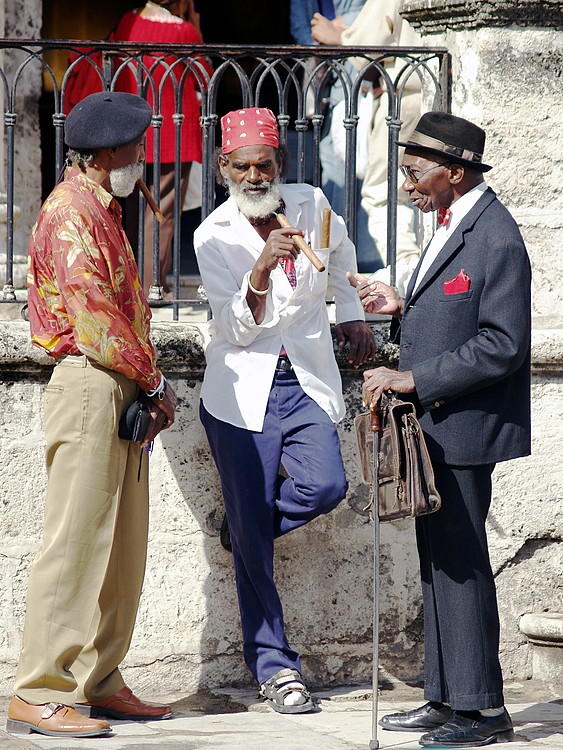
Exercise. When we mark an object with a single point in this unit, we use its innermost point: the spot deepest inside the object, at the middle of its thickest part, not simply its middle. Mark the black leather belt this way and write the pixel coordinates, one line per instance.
(284, 364)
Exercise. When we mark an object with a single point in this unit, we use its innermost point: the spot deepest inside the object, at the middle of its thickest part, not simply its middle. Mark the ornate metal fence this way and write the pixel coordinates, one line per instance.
(291, 80)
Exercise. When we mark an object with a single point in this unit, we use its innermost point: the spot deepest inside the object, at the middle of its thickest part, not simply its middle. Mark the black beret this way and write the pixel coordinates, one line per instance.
(442, 134)
(106, 120)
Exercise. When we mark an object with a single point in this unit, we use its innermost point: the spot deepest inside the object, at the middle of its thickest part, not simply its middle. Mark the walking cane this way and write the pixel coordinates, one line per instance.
(375, 425)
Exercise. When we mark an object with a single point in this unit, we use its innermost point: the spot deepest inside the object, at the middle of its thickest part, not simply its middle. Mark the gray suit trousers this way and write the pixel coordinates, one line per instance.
(461, 623)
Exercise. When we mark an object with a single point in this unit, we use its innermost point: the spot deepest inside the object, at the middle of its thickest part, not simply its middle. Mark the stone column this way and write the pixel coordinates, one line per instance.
(2, 162)
(27, 156)
(506, 76)
(544, 631)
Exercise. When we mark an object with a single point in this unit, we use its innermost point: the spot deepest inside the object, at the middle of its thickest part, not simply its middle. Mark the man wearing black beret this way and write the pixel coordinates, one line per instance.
(464, 331)
(88, 311)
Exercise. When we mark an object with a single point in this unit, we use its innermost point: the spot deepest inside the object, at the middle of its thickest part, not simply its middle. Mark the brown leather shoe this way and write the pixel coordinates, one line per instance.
(125, 705)
(52, 719)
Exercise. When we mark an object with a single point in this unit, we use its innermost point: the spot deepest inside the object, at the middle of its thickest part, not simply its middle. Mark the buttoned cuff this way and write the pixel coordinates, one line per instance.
(429, 396)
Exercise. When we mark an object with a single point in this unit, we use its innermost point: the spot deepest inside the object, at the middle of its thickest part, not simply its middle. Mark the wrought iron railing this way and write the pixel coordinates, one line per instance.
(291, 80)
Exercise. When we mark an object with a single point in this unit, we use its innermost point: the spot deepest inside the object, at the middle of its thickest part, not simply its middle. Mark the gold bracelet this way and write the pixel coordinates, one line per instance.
(259, 292)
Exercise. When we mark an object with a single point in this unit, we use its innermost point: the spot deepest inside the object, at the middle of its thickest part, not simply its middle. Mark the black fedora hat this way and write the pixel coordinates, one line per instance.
(442, 134)
(106, 120)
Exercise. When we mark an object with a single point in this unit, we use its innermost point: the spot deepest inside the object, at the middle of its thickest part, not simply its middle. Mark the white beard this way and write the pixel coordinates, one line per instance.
(256, 206)
(122, 180)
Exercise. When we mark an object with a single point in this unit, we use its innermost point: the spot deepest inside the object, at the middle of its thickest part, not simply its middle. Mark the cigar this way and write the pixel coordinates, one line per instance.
(301, 244)
(151, 201)
(325, 232)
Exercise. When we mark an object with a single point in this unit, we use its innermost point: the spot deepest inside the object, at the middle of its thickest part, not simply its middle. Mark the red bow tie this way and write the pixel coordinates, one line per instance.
(444, 216)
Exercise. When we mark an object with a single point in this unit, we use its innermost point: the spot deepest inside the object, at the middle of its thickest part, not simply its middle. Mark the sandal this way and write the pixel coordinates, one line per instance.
(280, 685)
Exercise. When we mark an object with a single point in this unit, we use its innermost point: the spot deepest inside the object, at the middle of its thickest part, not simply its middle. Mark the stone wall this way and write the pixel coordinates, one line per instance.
(188, 631)
(506, 76)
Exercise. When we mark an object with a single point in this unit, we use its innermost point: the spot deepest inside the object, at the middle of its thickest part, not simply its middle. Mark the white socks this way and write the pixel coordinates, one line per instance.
(296, 697)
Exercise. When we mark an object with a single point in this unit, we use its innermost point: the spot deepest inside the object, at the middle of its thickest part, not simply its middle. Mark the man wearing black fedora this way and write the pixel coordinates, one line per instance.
(88, 311)
(464, 334)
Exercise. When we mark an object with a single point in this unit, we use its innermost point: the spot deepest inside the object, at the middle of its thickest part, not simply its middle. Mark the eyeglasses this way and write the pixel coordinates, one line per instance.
(410, 175)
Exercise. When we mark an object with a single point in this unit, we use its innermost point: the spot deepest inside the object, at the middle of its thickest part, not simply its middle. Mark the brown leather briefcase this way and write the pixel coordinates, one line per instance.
(406, 478)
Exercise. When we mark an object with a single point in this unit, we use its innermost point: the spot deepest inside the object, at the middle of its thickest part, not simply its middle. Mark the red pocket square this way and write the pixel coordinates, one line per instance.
(461, 283)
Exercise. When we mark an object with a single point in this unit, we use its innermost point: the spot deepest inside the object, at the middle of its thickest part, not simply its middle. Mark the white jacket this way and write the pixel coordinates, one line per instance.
(242, 355)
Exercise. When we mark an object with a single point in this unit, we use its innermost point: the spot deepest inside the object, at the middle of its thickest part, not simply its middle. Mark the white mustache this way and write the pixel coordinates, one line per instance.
(256, 206)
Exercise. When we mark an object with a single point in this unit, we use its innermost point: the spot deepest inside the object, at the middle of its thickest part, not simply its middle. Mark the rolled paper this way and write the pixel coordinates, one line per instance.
(151, 201)
(301, 244)
(325, 232)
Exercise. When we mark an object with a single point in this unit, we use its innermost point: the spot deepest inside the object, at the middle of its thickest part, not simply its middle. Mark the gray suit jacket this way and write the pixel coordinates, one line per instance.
(470, 351)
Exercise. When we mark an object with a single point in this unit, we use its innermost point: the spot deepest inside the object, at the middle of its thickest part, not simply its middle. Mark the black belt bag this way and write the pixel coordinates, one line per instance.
(135, 420)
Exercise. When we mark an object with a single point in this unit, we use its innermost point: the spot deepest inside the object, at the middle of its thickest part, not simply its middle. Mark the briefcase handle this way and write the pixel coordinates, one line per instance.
(376, 411)
(375, 417)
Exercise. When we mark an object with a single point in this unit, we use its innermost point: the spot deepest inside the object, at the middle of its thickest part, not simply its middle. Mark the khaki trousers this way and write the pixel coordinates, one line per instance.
(85, 583)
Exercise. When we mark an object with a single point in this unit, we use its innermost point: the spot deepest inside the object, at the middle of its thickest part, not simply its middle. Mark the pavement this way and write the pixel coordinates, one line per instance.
(232, 719)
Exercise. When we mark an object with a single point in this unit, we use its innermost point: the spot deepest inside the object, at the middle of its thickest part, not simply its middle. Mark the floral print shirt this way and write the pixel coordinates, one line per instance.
(84, 292)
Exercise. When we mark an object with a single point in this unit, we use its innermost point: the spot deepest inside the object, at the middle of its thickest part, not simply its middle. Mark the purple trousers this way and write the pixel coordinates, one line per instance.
(261, 505)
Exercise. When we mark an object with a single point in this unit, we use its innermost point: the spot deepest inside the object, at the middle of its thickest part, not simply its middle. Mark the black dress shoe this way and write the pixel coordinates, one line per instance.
(225, 536)
(429, 716)
(470, 729)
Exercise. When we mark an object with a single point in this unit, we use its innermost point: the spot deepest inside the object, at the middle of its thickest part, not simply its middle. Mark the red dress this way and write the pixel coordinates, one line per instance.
(133, 27)
(136, 28)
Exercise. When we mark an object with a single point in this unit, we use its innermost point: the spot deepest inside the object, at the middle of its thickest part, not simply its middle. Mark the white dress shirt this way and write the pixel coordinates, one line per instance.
(459, 209)
(242, 354)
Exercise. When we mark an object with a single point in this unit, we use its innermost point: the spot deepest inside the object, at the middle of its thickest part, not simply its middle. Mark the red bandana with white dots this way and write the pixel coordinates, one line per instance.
(253, 126)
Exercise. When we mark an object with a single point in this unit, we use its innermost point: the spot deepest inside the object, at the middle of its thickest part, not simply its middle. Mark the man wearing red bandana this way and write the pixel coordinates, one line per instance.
(272, 393)
(464, 330)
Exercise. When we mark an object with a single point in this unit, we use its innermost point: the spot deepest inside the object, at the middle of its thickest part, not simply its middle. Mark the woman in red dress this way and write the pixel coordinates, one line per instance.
(162, 21)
